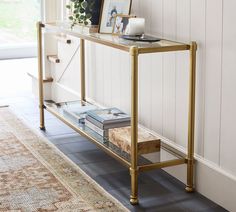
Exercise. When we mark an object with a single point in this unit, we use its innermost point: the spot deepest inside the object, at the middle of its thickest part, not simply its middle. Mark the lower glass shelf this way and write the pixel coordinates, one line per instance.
(166, 156)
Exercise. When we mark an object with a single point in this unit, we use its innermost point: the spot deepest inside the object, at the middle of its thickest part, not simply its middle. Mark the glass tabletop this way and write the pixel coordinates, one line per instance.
(115, 41)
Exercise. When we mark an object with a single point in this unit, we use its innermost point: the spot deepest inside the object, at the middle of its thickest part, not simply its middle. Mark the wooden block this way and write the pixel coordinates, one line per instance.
(53, 58)
(35, 76)
(63, 38)
(147, 143)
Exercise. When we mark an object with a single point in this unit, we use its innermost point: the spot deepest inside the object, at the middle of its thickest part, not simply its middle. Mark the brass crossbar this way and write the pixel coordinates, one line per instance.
(160, 165)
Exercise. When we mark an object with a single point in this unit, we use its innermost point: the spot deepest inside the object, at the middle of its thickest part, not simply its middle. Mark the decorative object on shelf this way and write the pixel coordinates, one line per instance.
(108, 118)
(107, 126)
(136, 26)
(78, 113)
(84, 12)
(101, 132)
(109, 11)
(147, 143)
(141, 38)
(121, 23)
(135, 31)
(109, 115)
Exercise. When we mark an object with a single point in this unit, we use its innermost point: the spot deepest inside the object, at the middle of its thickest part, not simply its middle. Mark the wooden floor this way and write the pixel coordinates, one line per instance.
(158, 190)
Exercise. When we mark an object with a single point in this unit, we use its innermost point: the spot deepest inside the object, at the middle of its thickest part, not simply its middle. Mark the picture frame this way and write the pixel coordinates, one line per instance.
(111, 8)
(121, 22)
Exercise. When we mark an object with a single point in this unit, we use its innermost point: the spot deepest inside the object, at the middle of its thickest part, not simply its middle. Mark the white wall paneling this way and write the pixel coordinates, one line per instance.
(164, 84)
(52, 10)
(145, 90)
(125, 81)
(157, 69)
(213, 80)
(107, 77)
(182, 73)
(99, 73)
(198, 34)
(115, 77)
(90, 57)
(169, 71)
(228, 101)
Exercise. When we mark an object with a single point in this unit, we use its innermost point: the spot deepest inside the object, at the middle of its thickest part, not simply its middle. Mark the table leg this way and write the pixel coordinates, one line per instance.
(40, 76)
(134, 126)
(191, 119)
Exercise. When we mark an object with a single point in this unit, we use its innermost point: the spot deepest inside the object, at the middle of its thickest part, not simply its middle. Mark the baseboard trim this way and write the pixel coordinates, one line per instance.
(211, 180)
(216, 184)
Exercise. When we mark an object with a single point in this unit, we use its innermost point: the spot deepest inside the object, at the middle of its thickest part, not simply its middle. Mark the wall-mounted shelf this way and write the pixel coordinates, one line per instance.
(133, 159)
(63, 38)
(53, 58)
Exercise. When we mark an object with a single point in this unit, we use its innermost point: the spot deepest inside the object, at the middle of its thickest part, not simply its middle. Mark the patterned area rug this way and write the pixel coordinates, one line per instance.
(35, 176)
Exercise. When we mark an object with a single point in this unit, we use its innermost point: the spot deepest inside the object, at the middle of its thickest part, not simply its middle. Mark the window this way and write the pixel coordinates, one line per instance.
(18, 27)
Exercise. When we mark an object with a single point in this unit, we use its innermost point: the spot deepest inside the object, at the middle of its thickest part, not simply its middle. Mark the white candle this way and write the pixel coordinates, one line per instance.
(136, 26)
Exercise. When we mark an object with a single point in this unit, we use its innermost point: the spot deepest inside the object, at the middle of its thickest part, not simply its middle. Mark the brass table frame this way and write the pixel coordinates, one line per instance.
(134, 53)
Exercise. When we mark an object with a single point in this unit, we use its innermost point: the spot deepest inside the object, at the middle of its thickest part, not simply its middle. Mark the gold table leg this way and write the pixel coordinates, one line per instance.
(191, 119)
(82, 70)
(134, 126)
(40, 75)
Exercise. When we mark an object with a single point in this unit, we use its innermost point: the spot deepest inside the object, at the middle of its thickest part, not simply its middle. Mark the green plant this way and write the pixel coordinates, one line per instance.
(80, 11)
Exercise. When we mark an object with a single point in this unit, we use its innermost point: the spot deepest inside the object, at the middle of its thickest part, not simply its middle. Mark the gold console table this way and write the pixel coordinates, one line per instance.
(134, 49)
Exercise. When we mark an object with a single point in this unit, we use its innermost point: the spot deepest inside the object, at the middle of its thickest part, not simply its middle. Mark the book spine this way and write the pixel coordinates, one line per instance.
(95, 122)
(103, 133)
(116, 121)
(108, 126)
(117, 125)
(106, 122)
(95, 117)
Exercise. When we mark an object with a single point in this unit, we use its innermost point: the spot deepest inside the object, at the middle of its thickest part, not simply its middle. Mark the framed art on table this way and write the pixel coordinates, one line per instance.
(110, 9)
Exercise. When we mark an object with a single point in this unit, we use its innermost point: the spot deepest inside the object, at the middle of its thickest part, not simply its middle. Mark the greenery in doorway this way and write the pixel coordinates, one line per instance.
(80, 11)
(18, 18)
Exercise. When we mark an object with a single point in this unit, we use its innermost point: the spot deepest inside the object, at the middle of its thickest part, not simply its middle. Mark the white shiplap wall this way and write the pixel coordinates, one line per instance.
(163, 78)
(211, 24)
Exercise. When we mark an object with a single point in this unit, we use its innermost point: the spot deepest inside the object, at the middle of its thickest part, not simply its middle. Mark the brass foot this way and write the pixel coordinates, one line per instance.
(189, 189)
(133, 201)
(42, 128)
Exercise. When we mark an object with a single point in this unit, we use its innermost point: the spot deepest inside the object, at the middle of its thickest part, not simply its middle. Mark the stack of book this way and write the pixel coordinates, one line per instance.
(77, 113)
(101, 120)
